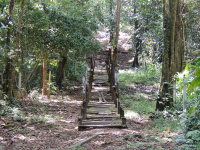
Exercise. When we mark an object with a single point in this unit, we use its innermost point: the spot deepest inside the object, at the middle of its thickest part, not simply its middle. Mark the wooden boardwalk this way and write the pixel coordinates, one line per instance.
(101, 106)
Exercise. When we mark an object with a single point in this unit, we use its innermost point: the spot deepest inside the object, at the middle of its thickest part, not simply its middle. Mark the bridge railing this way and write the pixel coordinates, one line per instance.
(113, 79)
(87, 87)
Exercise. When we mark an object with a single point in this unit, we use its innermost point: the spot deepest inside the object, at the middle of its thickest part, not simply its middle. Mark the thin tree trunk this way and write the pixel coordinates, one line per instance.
(44, 91)
(17, 46)
(137, 41)
(31, 74)
(60, 72)
(111, 22)
(116, 33)
(7, 86)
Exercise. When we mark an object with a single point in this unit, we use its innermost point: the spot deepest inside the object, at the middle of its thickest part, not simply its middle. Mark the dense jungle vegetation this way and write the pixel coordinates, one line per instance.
(44, 46)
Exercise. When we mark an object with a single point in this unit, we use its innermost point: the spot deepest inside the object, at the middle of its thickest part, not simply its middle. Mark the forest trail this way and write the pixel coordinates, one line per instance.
(100, 109)
(51, 124)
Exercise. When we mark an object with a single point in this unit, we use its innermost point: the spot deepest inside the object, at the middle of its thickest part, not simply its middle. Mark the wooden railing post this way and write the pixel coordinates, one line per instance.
(123, 121)
(83, 110)
(87, 95)
(121, 113)
(80, 120)
(118, 106)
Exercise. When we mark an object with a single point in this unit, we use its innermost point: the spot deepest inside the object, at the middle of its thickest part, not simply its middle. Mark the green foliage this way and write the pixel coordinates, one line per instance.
(138, 106)
(80, 70)
(4, 108)
(196, 81)
(147, 76)
(195, 135)
(190, 118)
(162, 124)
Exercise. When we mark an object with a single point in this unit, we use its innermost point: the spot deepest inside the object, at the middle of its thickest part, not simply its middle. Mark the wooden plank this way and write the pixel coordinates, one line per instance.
(114, 125)
(99, 110)
(92, 112)
(109, 122)
(103, 103)
(102, 106)
(86, 140)
(106, 116)
(101, 116)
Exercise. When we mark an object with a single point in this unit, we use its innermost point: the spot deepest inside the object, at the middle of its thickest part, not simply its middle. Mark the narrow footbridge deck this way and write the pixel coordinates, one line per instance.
(101, 104)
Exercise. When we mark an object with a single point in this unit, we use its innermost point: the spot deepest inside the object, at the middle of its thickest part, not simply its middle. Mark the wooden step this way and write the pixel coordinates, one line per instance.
(90, 116)
(101, 122)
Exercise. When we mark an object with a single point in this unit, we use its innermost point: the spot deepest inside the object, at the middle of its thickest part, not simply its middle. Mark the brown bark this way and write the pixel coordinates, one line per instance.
(44, 91)
(173, 54)
(111, 22)
(7, 86)
(137, 43)
(60, 72)
(116, 33)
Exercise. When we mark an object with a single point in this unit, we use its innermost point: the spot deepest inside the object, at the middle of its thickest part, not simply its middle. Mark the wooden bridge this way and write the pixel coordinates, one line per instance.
(101, 105)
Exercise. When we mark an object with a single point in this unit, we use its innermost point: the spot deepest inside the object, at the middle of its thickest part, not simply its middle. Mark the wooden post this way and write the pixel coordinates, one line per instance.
(87, 96)
(80, 120)
(118, 106)
(109, 65)
(83, 110)
(112, 78)
(49, 84)
(121, 113)
(123, 121)
(184, 94)
(90, 84)
(44, 91)
(114, 99)
(84, 84)
(84, 104)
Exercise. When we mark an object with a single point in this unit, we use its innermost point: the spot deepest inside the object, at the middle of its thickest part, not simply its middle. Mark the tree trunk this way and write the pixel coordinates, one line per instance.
(173, 55)
(60, 72)
(7, 86)
(31, 74)
(44, 76)
(116, 33)
(137, 42)
(111, 22)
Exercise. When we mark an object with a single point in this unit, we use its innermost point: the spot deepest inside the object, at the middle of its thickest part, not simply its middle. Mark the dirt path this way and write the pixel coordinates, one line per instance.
(44, 124)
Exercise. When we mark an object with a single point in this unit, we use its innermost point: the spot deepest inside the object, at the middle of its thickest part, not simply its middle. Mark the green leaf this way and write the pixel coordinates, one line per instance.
(191, 110)
(188, 70)
(194, 84)
(197, 138)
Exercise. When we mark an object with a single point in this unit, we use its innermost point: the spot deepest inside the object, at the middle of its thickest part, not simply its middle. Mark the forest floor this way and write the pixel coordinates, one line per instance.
(51, 124)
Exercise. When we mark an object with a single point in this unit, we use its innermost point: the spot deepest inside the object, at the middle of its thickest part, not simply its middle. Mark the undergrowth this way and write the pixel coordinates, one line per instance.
(185, 124)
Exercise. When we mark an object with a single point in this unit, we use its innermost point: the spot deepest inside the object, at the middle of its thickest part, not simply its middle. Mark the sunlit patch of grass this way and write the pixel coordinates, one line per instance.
(163, 124)
(136, 76)
(143, 108)
(43, 118)
(137, 96)
(131, 114)
(139, 104)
